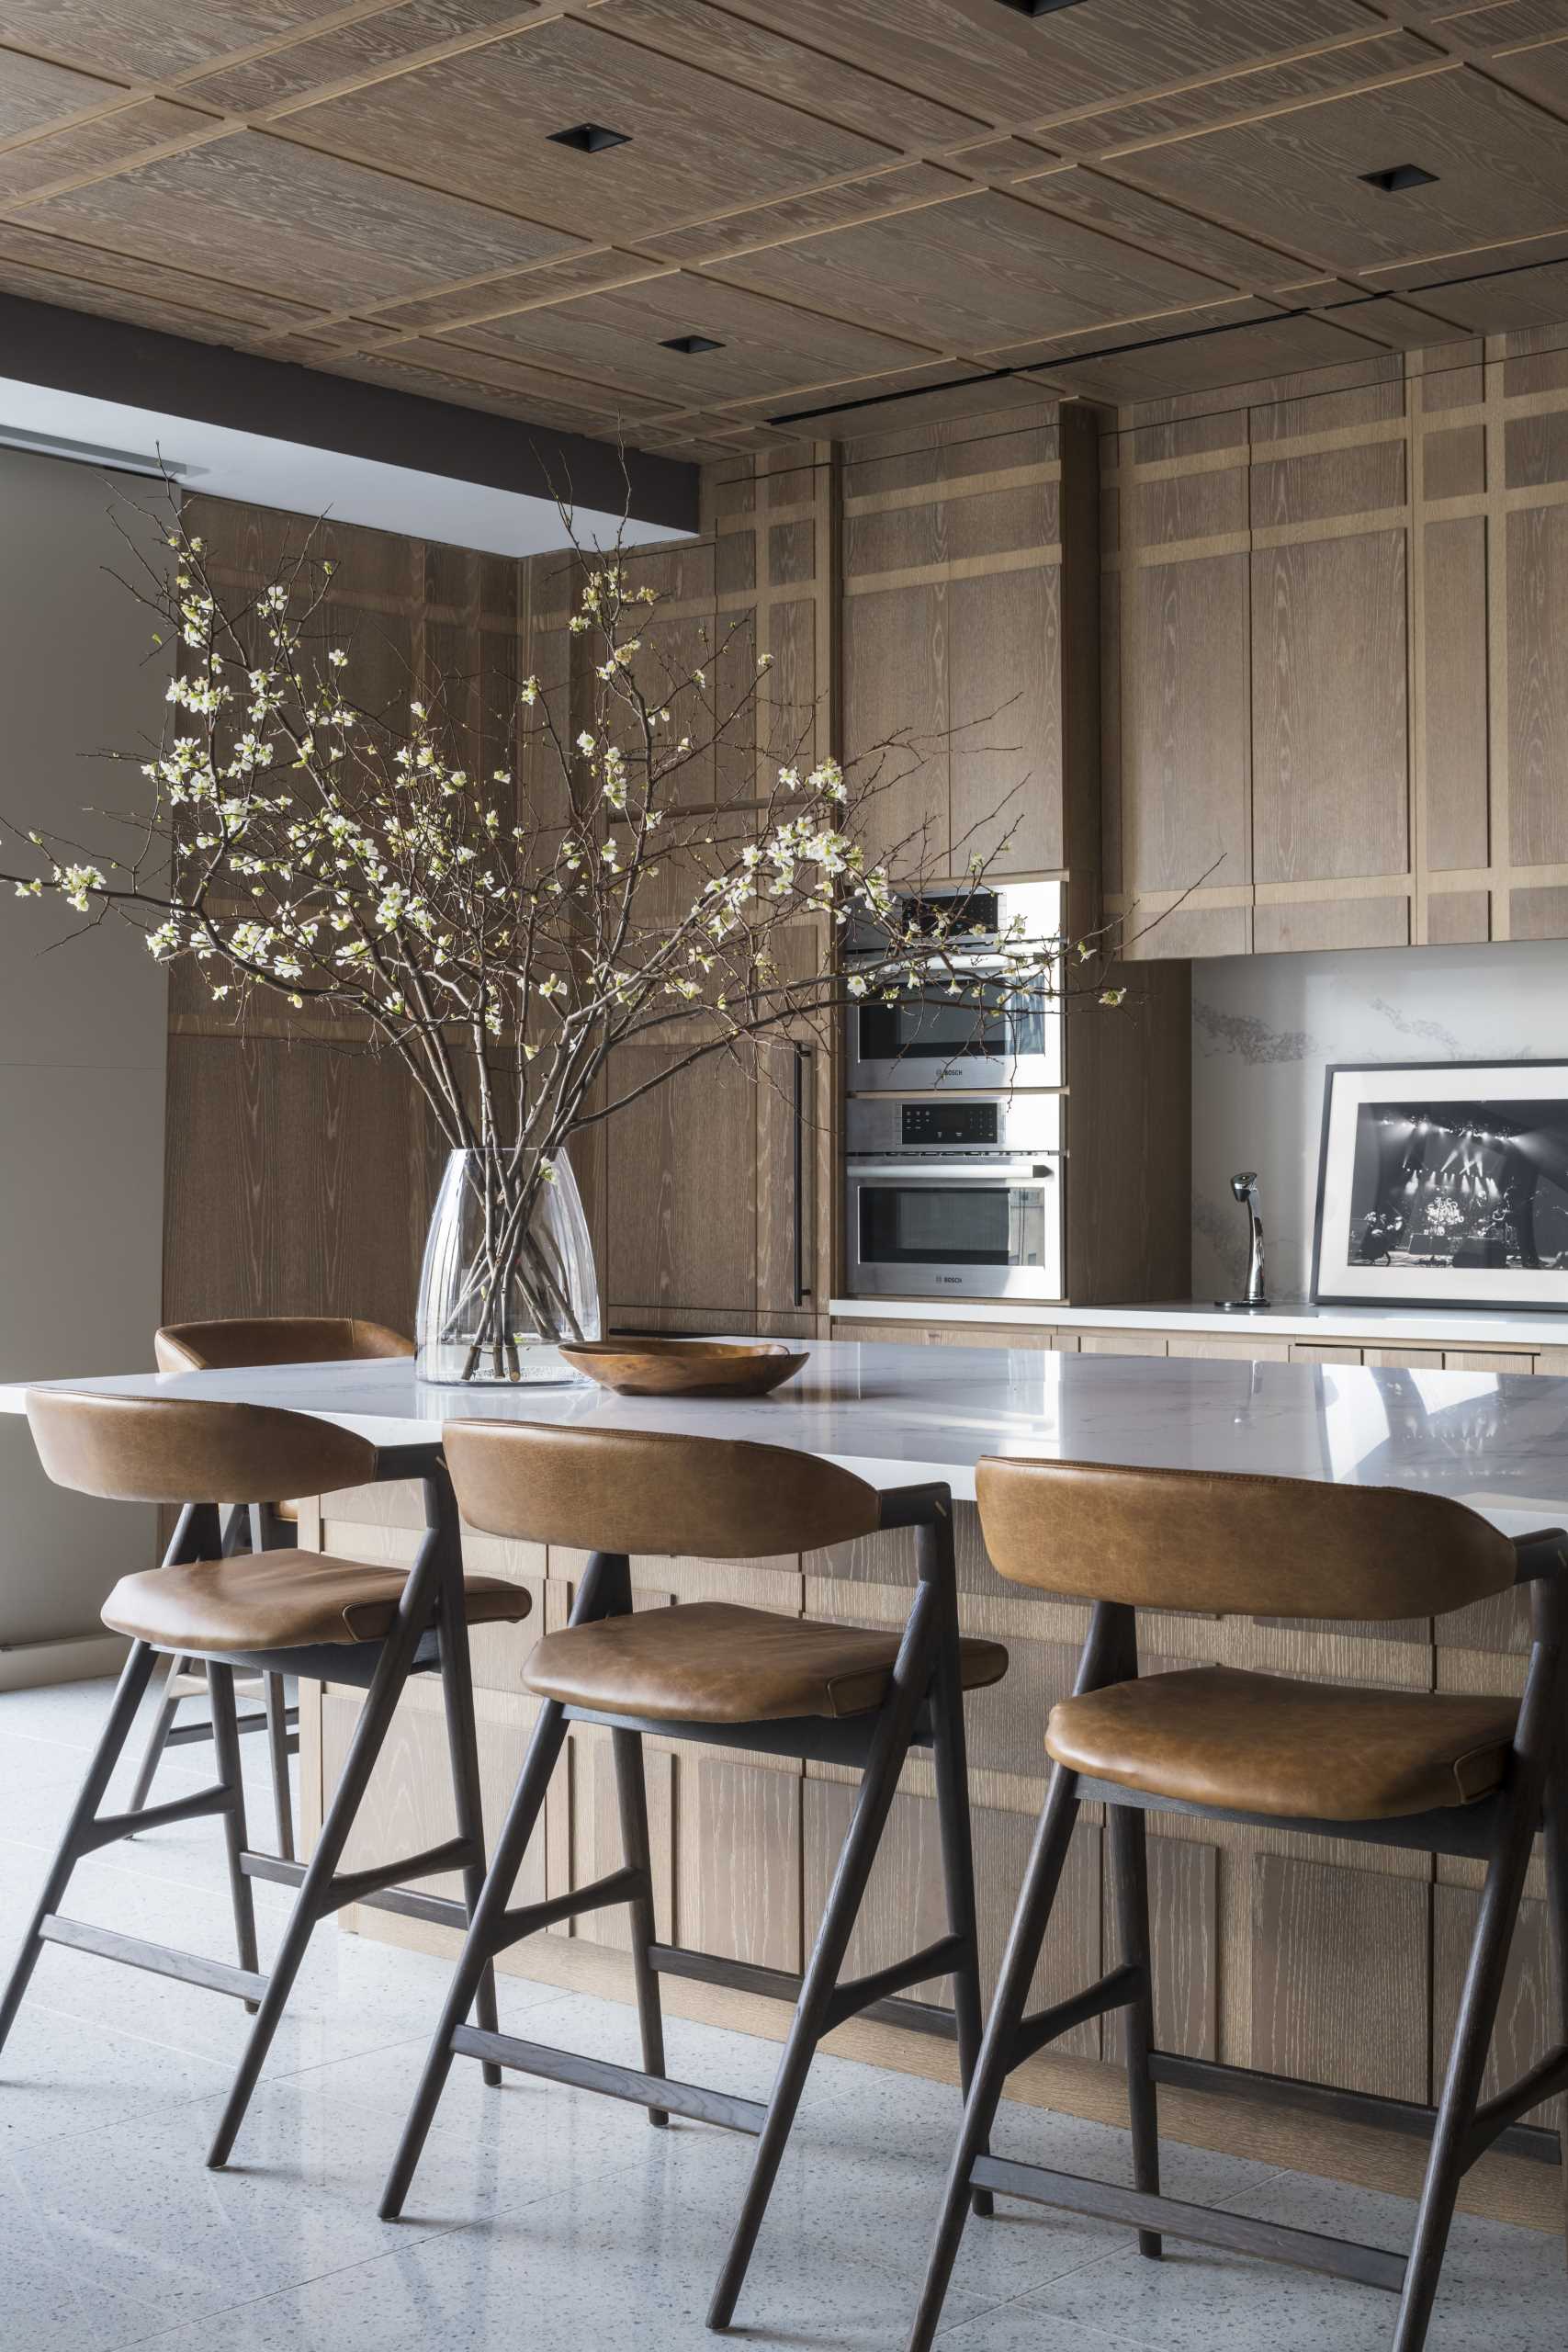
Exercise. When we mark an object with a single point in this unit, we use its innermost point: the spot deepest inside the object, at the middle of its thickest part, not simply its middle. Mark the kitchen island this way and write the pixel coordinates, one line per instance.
(1311, 1960)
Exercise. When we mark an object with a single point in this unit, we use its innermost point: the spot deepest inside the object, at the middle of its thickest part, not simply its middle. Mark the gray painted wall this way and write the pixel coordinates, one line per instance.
(1265, 1027)
(82, 1032)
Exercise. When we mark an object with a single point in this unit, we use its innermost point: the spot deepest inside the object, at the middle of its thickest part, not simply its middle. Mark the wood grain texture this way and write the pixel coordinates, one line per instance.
(1318, 2010)
(1328, 694)
(1128, 197)
(1186, 744)
(1538, 683)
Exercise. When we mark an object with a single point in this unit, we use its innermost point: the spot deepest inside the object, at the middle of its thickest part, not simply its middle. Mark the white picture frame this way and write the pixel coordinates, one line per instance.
(1440, 1183)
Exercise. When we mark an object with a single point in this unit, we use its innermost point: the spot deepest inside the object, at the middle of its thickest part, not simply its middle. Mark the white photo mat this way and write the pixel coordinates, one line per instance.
(1465, 1164)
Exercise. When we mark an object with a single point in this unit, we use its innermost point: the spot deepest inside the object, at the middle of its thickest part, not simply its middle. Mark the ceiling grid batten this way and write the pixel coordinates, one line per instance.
(1158, 194)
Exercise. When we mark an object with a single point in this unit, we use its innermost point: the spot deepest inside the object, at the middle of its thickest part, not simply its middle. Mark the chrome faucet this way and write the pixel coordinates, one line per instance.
(1245, 1187)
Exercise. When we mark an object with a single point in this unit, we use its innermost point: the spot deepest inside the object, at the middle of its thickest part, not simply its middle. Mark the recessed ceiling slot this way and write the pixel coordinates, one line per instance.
(691, 344)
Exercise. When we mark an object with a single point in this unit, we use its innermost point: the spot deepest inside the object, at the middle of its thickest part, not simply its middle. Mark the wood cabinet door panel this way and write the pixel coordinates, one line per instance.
(1329, 708)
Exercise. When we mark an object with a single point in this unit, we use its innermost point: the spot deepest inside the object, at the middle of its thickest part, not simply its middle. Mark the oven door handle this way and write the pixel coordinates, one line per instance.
(1017, 1175)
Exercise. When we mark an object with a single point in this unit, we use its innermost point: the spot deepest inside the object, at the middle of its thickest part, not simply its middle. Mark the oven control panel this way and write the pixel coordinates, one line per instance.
(948, 1123)
(952, 1128)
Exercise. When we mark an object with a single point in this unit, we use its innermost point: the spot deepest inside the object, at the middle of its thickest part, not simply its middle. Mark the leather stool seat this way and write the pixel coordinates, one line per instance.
(280, 1600)
(712, 1662)
(1263, 1743)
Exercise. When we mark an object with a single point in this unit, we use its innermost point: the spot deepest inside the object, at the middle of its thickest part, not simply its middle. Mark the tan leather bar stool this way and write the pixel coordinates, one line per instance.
(1439, 1774)
(742, 1678)
(226, 1345)
(273, 1612)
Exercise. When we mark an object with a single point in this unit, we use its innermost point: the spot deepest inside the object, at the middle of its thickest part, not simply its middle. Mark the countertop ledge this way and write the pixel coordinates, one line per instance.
(1358, 1325)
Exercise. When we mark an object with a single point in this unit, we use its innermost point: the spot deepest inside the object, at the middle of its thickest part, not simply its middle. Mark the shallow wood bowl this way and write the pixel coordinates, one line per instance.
(686, 1367)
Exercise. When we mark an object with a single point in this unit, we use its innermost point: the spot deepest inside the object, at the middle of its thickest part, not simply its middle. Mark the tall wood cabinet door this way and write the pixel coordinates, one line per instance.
(681, 1188)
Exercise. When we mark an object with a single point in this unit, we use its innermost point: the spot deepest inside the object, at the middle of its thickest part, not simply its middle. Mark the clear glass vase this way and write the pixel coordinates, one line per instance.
(508, 1272)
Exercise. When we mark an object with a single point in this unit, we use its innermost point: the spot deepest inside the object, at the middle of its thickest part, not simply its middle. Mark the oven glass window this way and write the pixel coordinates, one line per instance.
(950, 1224)
(978, 1023)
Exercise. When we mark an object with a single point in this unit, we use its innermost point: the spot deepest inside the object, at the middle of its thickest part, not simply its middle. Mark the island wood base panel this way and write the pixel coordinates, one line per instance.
(1309, 1959)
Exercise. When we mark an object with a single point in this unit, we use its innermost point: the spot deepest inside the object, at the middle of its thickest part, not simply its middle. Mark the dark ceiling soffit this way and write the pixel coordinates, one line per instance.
(106, 358)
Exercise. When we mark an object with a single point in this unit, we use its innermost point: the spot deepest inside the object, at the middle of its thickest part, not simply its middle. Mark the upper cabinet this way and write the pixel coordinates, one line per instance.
(969, 587)
(1335, 658)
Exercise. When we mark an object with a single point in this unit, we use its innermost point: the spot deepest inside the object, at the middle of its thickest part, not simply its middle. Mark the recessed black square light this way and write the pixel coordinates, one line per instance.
(691, 344)
(1398, 177)
(1039, 7)
(590, 138)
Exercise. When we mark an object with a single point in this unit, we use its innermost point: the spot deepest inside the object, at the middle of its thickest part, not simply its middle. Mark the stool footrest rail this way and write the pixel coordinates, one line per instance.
(1369, 2266)
(616, 2081)
(191, 1968)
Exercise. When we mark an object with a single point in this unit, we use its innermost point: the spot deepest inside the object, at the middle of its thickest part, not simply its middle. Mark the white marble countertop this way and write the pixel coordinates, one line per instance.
(902, 1414)
(1370, 1327)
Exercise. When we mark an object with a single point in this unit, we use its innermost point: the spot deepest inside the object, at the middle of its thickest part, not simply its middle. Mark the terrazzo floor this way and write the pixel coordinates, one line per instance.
(543, 2217)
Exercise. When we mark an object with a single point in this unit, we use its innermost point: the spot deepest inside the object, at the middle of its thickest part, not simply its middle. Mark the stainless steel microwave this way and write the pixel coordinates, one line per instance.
(954, 1200)
(967, 1026)
(980, 1033)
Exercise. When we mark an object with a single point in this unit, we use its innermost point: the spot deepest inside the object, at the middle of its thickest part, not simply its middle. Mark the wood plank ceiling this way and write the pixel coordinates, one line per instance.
(842, 200)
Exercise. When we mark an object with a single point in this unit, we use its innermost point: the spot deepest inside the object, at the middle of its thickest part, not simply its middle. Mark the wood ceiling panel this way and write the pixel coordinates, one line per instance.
(34, 92)
(348, 53)
(155, 40)
(867, 203)
(1509, 21)
(102, 273)
(1270, 347)
(494, 296)
(1100, 202)
(1501, 166)
(984, 272)
(566, 413)
(481, 123)
(1541, 73)
(1515, 299)
(280, 217)
(93, 147)
(872, 199)
(767, 348)
(509, 373)
(1179, 113)
(766, 61)
(1008, 67)
(205, 323)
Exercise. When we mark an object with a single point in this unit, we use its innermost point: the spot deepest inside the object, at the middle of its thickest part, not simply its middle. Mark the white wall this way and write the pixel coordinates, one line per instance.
(82, 1033)
(1264, 1030)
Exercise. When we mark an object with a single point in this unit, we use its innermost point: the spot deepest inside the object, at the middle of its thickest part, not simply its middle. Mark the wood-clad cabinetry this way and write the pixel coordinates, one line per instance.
(299, 1177)
(1337, 710)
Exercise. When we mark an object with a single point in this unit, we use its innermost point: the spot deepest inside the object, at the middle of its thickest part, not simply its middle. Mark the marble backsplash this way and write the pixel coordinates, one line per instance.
(1264, 1030)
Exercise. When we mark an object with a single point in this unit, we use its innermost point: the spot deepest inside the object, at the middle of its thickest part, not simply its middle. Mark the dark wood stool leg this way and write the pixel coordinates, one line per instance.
(277, 1702)
(1461, 2090)
(313, 1899)
(158, 1738)
(226, 1746)
(1041, 1879)
(951, 1768)
(890, 1744)
(134, 1677)
(631, 1794)
(462, 1733)
(485, 1937)
(1130, 1880)
(1556, 1843)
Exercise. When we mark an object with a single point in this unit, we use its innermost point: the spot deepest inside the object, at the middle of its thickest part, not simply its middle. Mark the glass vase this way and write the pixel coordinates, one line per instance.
(508, 1272)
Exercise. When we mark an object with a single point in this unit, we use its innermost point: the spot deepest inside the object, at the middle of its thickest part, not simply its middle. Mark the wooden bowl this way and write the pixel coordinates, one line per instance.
(686, 1367)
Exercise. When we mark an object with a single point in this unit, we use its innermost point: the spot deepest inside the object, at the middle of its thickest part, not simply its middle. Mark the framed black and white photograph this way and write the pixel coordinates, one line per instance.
(1443, 1184)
